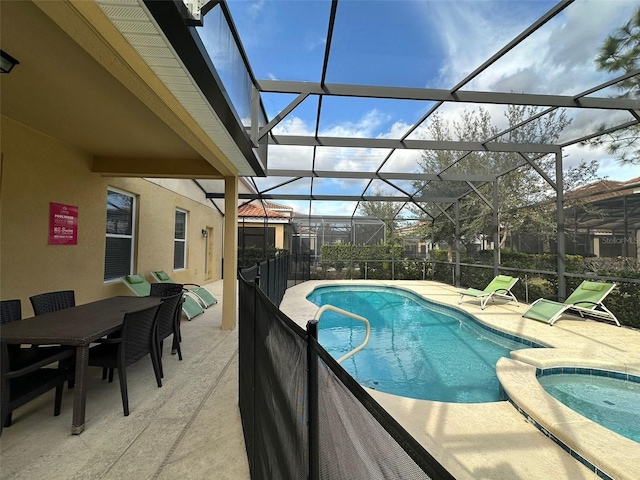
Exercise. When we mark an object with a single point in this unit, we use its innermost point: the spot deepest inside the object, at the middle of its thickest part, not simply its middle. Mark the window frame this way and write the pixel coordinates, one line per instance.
(134, 222)
(182, 240)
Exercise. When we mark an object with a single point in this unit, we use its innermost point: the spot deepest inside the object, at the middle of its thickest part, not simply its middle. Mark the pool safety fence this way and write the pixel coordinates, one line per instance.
(271, 274)
(303, 416)
(299, 268)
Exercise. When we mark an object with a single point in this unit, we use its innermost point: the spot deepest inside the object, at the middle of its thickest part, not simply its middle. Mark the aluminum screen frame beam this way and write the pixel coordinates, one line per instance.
(338, 198)
(307, 141)
(379, 176)
(439, 95)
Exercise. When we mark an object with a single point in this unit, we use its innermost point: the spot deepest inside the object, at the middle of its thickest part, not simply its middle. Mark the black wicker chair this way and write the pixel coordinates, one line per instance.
(11, 311)
(137, 340)
(52, 301)
(23, 377)
(166, 325)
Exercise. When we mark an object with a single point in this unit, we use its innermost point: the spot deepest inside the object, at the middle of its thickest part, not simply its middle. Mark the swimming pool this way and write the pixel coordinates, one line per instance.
(417, 349)
(612, 402)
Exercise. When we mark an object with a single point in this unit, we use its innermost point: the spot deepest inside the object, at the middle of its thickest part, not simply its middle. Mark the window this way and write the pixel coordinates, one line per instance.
(118, 258)
(180, 241)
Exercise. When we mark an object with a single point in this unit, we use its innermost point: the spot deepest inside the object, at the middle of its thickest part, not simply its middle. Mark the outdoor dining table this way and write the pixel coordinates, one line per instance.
(76, 327)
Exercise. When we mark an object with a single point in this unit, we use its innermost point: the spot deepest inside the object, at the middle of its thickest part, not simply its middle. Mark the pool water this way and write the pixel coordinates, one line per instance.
(611, 402)
(417, 349)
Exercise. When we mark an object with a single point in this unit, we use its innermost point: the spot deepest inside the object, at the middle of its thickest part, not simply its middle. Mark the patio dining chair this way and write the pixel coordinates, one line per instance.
(136, 340)
(500, 286)
(168, 317)
(202, 294)
(142, 288)
(11, 311)
(586, 300)
(23, 376)
(52, 301)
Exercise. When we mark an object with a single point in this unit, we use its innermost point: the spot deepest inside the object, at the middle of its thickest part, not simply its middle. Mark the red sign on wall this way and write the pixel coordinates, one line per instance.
(63, 224)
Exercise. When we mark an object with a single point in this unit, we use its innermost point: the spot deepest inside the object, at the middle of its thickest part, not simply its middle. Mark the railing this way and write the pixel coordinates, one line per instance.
(303, 416)
(624, 301)
(325, 308)
(271, 274)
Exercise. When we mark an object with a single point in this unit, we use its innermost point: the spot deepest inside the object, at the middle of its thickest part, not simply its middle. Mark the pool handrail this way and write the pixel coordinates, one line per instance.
(324, 308)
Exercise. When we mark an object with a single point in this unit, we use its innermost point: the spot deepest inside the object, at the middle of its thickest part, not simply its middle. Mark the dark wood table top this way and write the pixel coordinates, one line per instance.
(76, 326)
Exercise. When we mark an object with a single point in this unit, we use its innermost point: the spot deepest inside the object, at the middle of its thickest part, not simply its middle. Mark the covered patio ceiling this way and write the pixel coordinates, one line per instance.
(318, 163)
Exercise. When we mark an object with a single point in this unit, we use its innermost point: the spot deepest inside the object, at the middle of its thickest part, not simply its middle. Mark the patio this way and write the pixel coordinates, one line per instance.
(190, 427)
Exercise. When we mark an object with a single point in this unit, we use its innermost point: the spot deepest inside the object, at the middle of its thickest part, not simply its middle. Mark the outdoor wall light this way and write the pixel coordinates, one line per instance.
(7, 62)
(204, 233)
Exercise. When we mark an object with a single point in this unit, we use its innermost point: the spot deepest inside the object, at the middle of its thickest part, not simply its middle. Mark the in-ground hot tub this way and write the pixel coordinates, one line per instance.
(611, 399)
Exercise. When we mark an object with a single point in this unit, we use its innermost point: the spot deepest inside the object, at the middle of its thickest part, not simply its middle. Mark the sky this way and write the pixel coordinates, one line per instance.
(421, 44)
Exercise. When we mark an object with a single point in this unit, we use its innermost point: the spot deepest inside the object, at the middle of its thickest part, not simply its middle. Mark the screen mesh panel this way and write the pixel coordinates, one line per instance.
(353, 438)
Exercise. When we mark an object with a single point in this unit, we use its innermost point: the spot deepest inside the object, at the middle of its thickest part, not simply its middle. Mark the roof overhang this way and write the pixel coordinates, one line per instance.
(103, 77)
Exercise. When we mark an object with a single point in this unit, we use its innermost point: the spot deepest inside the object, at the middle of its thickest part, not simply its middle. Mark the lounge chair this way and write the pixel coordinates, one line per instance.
(585, 300)
(202, 294)
(500, 286)
(142, 288)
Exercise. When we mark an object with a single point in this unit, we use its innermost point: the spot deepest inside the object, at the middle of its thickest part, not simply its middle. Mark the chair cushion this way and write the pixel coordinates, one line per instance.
(504, 278)
(133, 279)
(593, 286)
(162, 275)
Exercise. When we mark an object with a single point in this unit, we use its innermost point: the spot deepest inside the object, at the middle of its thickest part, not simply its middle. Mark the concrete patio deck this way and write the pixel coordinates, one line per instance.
(190, 428)
(493, 440)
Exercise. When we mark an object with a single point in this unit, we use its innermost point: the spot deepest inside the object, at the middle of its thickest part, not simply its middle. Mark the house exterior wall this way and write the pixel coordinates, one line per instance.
(36, 170)
(280, 231)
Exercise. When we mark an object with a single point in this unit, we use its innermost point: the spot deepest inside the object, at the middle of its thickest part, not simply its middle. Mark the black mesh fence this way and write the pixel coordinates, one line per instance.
(299, 268)
(272, 276)
(303, 415)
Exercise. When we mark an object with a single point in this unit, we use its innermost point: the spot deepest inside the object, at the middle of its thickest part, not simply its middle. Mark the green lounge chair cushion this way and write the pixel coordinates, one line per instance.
(501, 282)
(133, 279)
(162, 276)
(594, 286)
(588, 294)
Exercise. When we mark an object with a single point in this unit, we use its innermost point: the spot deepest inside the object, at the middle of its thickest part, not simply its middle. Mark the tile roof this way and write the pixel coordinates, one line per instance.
(255, 211)
(602, 189)
(277, 206)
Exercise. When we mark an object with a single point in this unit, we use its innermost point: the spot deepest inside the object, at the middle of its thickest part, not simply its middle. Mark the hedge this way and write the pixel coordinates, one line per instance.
(624, 301)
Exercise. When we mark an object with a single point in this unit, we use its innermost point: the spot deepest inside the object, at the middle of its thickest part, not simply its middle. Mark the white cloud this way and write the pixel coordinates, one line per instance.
(557, 59)
(255, 9)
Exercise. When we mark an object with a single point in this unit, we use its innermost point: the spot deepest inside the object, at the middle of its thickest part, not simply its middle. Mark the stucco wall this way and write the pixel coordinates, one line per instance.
(279, 230)
(37, 170)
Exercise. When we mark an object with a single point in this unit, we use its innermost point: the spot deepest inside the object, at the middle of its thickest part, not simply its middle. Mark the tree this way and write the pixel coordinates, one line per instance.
(520, 186)
(620, 53)
(385, 211)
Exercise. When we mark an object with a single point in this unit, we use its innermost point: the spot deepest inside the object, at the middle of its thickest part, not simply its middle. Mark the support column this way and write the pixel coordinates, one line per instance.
(562, 281)
(625, 222)
(496, 232)
(230, 281)
(457, 245)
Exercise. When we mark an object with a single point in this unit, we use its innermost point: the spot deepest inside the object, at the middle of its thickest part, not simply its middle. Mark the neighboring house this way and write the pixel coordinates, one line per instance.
(602, 219)
(608, 222)
(264, 224)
